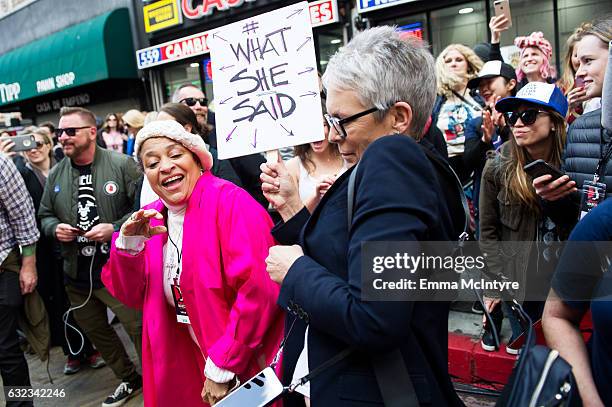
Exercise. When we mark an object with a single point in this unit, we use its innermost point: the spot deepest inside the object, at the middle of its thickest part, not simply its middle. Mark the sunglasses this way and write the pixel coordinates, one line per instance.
(528, 117)
(70, 131)
(192, 101)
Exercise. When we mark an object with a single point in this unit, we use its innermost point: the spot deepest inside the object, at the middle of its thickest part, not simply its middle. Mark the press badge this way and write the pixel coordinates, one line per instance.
(179, 304)
(593, 193)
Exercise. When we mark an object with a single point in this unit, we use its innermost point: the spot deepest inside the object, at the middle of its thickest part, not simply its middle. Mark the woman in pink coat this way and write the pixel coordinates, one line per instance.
(194, 262)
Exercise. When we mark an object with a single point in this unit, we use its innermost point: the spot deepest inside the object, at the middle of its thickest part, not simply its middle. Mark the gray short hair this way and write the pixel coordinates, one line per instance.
(175, 96)
(384, 68)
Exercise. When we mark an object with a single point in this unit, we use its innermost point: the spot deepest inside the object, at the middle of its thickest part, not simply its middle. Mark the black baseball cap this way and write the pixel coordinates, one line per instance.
(493, 69)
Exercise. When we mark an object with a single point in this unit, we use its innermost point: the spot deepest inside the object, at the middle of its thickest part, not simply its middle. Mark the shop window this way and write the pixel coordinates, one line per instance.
(461, 24)
(574, 12)
(328, 41)
(415, 25)
(177, 75)
(529, 16)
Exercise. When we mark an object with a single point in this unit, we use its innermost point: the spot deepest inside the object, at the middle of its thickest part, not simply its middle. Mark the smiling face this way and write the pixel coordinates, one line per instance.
(456, 63)
(533, 135)
(490, 88)
(320, 146)
(40, 154)
(593, 56)
(171, 169)
(532, 60)
(360, 132)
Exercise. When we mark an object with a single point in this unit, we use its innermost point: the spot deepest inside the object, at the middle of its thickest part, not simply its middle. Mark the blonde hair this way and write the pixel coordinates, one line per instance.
(566, 82)
(447, 81)
(516, 181)
(45, 134)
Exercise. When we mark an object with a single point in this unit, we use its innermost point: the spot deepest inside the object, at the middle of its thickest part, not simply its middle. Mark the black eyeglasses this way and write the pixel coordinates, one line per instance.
(192, 101)
(338, 124)
(70, 131)
(528, 117)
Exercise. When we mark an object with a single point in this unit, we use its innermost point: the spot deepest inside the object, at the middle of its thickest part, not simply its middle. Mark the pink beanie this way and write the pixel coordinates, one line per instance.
(535, 39)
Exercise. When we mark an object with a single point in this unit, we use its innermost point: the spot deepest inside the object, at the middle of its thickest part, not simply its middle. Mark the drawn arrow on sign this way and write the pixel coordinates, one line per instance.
(305, 42)
(223, 68)
(311, 93)
(215, 35)
(295, 13)
(309, 69)
(289, 132)
(254, 144)
(229, 136)
(225, 100)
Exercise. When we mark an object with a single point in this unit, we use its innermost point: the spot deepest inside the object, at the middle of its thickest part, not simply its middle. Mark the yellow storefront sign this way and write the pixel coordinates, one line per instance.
(161, 14)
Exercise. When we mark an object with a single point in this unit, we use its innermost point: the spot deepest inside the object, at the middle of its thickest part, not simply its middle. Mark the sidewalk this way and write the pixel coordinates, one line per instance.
(87, 388)
(469, 365)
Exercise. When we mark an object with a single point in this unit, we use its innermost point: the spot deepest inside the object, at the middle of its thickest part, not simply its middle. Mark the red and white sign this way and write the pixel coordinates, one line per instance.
(322, 12)
(206, 7)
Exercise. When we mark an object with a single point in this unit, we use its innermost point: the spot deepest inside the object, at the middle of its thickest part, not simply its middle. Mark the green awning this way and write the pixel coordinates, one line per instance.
(98, 49)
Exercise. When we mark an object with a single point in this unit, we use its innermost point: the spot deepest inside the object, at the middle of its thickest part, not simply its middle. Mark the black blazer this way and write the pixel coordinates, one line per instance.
(397, 197)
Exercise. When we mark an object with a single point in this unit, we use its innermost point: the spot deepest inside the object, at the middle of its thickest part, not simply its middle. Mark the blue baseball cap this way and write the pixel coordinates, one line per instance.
(537, 93)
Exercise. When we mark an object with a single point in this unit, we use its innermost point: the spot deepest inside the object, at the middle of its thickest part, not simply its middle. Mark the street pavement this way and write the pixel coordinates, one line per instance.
(89, 387)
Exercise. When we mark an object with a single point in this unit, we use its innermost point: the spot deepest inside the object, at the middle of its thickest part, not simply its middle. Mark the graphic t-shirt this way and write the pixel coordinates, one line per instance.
(452, 120)
(87, 218)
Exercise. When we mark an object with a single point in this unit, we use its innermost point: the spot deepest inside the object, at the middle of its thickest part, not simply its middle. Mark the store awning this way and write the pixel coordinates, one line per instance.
(98, 49)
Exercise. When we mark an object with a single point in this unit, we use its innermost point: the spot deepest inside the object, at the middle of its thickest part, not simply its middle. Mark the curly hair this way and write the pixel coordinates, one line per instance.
(448, 81)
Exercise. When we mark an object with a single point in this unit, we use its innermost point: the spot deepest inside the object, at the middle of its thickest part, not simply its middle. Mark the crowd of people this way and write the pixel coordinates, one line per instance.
(138, 215)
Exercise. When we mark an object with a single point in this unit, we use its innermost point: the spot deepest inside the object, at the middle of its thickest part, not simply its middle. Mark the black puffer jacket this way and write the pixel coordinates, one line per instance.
(584, 149)
(586, 142)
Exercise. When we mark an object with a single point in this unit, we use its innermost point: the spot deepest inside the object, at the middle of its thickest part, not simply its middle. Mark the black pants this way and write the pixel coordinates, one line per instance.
(13, 366)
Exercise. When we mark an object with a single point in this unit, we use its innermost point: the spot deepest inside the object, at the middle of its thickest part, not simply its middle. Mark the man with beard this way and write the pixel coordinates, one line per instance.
(86, 198)
(246, 167)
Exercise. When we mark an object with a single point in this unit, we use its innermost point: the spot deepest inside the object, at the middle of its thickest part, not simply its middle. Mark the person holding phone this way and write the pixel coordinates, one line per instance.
(587, 141)
(515, 235)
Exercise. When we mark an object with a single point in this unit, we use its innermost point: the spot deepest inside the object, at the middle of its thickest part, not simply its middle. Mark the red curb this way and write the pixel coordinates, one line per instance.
(469, 363)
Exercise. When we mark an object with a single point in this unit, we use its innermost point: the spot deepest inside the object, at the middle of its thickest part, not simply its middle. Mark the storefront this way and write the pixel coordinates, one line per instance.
(178, 30)
(90, 64)
(444, 22)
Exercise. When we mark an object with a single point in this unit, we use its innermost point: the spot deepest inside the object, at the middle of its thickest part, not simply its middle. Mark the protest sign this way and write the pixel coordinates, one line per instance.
(265, 83)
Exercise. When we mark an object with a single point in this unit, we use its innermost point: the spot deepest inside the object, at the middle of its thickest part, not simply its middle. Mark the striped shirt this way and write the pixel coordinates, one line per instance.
(17, 216)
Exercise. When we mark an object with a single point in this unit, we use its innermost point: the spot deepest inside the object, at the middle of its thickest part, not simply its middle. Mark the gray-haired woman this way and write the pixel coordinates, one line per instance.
(380, 91)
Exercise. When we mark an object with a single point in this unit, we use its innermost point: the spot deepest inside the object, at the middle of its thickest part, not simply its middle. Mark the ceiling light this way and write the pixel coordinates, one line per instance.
(466, 10)
(194, 64)
(335, 41)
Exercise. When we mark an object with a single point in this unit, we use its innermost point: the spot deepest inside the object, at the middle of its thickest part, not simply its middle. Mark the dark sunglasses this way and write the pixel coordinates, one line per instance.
(192, 101)
(528, 117)
(70, 131)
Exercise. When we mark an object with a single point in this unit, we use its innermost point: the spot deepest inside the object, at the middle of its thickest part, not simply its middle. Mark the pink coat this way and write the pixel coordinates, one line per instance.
(229, 296)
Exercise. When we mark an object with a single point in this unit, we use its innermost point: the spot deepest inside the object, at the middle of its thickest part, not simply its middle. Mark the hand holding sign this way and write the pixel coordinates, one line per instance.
(266, 83)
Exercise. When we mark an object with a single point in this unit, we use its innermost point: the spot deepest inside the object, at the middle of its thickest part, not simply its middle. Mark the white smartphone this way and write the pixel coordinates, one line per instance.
(502, 8)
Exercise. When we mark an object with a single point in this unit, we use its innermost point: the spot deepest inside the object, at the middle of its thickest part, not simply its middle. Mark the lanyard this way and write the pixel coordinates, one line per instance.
(474, 106)
(604, 157)
(179, 255)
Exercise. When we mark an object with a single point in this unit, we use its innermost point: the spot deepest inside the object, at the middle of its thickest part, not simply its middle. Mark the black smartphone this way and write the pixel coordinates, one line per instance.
(538, 168)
(22, 143)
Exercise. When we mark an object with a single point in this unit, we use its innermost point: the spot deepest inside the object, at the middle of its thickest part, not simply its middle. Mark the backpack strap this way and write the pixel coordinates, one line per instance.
(390, 370)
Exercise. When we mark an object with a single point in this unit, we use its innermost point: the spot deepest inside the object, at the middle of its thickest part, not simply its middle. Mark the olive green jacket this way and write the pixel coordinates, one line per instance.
(115, 180)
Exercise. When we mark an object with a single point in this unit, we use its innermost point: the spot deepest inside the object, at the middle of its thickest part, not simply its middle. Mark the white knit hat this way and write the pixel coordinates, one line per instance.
(173, 130)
